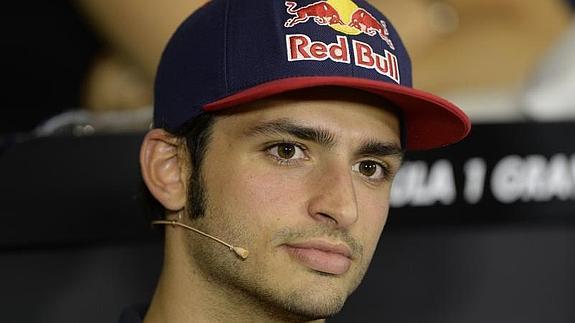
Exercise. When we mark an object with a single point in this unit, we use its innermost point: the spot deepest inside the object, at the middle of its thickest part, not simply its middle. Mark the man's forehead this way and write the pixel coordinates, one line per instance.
(323, 113)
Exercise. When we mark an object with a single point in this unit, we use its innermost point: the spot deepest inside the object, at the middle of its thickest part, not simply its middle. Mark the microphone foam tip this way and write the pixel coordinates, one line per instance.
(241, 252)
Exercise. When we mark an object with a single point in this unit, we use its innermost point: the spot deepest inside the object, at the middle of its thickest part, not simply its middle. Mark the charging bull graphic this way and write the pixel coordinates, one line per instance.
(365, 22)
(342, 15)
(321, 12)
(345, 17)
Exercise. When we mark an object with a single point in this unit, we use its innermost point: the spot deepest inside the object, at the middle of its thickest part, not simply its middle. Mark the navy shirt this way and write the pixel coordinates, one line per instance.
(134, 314)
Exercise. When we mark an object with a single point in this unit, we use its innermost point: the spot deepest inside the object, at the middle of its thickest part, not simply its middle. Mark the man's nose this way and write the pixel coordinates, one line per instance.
(333, 197)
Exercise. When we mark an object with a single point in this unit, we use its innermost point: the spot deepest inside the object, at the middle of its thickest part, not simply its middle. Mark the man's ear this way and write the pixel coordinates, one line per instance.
(163, 167)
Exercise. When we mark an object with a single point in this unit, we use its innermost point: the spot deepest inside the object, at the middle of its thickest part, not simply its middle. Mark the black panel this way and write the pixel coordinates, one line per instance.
(505, 255)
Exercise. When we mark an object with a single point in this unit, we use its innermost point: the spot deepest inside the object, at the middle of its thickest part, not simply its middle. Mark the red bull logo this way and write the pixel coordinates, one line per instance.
(365, 22)
(342, 15)
(346, 17)
(301, 48)
(321, 12)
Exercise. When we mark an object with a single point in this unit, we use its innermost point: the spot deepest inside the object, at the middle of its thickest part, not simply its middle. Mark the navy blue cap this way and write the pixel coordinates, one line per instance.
(231, 52)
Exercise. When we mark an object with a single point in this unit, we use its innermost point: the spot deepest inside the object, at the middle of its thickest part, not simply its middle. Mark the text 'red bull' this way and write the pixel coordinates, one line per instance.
(301, 48)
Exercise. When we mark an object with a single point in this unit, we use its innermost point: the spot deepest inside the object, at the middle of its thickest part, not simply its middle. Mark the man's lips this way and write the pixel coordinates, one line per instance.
(320, 255)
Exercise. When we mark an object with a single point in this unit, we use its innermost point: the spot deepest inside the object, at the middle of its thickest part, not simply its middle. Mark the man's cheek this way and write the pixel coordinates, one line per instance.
(373, 214)
(275, 193)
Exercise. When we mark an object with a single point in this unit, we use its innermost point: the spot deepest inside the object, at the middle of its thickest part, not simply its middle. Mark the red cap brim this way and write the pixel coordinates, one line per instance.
(430, 121)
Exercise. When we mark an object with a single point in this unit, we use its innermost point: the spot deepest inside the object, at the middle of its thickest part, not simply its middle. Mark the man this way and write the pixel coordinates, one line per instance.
(278, 130)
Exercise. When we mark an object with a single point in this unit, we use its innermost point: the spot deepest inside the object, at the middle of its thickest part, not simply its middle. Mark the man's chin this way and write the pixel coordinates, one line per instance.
(316, 294)
(308, 307)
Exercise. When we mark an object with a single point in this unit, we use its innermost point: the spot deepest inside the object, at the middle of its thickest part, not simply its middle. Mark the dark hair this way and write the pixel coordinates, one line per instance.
(197, 134)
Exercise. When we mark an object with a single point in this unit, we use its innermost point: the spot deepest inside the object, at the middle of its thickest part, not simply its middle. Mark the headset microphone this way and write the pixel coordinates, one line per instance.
(240, 252)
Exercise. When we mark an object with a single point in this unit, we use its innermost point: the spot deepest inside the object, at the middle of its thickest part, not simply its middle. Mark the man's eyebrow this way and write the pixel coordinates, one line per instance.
(289, 127)
(380, 149)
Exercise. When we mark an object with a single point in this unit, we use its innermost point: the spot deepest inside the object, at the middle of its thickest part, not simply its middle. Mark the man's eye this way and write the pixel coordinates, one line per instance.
(370, 169)
(287, 151)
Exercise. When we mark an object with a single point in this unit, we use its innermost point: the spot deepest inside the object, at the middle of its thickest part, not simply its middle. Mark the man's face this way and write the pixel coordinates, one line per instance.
(303, 184)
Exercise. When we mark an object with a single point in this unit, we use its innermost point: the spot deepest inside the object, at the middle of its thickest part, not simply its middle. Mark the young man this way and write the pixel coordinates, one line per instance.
(278, 130)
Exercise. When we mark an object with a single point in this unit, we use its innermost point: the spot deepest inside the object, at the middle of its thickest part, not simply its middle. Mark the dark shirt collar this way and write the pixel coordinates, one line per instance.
(134, 314)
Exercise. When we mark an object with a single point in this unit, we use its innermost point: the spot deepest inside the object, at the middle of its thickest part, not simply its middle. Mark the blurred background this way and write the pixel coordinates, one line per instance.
(495, 243)
(500, 60)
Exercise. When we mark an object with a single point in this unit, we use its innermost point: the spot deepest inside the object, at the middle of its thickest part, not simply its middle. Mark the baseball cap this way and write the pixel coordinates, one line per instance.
(231, 52)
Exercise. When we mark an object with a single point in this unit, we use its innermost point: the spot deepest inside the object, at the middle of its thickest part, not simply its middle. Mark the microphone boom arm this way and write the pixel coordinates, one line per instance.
(240, 252)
